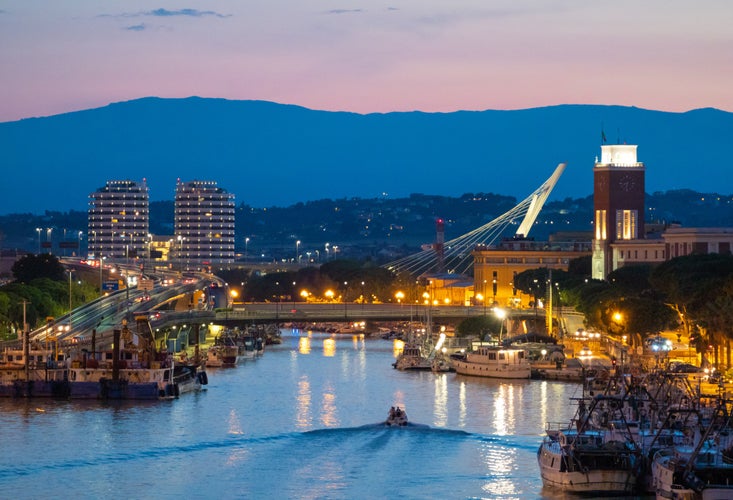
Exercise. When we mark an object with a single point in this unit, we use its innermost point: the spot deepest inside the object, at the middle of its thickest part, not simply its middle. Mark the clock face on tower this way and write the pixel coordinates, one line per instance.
(626, 183)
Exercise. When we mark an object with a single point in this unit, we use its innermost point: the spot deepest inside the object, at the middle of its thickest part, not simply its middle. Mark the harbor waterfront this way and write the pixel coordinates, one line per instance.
(301, 421)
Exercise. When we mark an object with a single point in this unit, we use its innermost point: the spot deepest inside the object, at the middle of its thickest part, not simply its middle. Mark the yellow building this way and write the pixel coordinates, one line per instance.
(495, 267)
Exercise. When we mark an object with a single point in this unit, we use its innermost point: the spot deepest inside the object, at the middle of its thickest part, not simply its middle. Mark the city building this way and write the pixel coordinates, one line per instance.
(204, 224)
(618, 203)
(621, 237)
(119, 220)
(495, 267)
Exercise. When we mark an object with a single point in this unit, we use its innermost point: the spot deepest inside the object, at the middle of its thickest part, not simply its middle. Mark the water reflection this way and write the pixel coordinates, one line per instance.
(329, 347)
(501, 462)
(303, 408)
(440, 400)
(328, 408)
(304, 345)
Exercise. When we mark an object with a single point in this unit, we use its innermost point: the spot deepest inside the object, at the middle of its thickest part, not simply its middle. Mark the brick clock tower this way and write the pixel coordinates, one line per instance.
(618, 203)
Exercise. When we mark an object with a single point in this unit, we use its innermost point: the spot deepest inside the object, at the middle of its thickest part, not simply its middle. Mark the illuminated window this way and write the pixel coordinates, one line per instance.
(627, 224)
(601, 225)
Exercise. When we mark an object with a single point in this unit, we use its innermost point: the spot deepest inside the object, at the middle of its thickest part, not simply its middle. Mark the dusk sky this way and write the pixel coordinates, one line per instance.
(366, 56)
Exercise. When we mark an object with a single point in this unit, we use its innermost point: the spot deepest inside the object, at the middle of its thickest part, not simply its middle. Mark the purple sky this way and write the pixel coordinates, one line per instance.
(354, 55)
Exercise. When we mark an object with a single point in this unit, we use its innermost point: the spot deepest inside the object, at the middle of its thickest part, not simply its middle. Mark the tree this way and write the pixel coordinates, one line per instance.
(44, 265)
(697, 287)
(482, 327)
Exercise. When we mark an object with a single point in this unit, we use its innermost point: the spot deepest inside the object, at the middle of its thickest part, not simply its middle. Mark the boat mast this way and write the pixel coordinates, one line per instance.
(26, 345)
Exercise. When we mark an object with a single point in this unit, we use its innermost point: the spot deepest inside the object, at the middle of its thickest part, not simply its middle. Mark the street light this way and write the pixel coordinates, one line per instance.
(399, 296)
(69, 299)
(38, 230)
(501, 314)
(297, 249)
(346, 285)
(246, 247)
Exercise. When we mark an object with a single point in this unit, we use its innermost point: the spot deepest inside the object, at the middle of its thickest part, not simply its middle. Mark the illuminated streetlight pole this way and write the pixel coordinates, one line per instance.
(246, 247)
(399, 296)
(297, 249)
(501, 314)
(38, 230)
(346, 315)
(69, 299)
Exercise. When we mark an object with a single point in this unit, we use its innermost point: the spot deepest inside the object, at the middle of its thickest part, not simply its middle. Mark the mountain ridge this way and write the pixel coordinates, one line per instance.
(270, 154)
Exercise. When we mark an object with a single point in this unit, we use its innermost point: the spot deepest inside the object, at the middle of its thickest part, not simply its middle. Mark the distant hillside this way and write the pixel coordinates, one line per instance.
(270, 154)
(368, 227)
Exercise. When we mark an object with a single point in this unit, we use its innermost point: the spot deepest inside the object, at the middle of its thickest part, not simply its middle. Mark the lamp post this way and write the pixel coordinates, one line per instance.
(297, 249)
(101, 268)
(150, 244)
(501, 314)
(38, 230)
(49, 233)
(246, 247)
(399, 296)
(346, 315)
(69, 299)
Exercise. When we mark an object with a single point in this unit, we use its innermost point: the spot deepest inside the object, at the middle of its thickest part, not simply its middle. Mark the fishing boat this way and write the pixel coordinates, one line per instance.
(413, 357)
(585, 459)
(703, 470)
(222, 355)
(494, 361)
(132, 369)
(250, 346)
(41, 372)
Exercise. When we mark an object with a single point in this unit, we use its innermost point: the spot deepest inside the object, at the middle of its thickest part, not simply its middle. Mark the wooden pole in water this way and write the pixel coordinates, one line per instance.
(116, 355)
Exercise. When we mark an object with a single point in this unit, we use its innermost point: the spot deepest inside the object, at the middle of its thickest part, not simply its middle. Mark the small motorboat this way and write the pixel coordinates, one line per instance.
(396, 418)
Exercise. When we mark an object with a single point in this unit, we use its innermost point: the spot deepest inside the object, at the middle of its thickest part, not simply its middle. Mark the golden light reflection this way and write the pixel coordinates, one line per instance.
(304, 345)
(441, 400)
(399, 399)
(329, 348)
(397, 347)
(328, 409)
(358, 341)
(500, 411)
(303, 417)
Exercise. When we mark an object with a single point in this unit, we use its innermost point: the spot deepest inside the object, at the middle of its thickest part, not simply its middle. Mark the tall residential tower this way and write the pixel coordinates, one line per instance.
(119, 220)
(204, 223)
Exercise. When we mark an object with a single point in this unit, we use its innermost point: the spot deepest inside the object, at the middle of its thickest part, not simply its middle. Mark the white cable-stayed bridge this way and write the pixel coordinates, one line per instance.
(455, 255)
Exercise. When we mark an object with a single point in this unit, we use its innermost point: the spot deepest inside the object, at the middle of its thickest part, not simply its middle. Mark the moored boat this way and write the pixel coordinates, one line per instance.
(222, 355)
(584, 459)
(494, 362)
(413, 358)
(703, 470)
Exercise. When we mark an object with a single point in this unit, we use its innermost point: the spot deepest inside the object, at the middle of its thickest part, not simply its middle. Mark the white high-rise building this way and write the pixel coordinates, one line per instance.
(119, 220)
(204, 223)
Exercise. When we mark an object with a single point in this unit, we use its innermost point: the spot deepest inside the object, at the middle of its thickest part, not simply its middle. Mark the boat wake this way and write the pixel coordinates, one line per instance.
(343, 461)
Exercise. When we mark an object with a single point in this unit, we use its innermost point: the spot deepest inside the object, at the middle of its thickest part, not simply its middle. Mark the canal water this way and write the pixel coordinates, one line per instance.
(299, 422)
